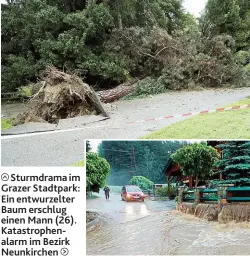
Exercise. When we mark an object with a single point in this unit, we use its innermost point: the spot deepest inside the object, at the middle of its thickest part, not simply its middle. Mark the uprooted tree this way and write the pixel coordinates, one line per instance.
(108, 43)
(59, 96)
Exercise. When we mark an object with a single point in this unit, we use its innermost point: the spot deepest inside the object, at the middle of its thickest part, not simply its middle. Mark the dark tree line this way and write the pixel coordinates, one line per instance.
(150, 159)
(108, 42)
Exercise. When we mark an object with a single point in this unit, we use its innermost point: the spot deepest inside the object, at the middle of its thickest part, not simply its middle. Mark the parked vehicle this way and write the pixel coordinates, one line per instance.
(132, 193)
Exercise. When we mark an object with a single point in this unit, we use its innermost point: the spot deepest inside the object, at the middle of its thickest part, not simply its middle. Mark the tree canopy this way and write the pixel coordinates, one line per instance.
(235, 163)
(88, 146)
(97, 169)
(142, 182)
(196, 160)
(150, 157)
(108, 42)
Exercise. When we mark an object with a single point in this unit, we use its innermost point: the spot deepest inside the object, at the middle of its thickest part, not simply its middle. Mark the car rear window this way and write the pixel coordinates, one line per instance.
(133, 189)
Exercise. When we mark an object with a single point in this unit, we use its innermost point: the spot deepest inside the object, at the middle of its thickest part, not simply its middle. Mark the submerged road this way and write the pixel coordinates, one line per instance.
(62, 148)
(155, 228)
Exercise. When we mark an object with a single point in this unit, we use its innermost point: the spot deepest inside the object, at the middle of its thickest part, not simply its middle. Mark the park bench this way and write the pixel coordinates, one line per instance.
(238, 194)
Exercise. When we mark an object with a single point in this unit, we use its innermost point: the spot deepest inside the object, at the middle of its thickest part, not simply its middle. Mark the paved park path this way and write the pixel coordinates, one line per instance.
(61, 148)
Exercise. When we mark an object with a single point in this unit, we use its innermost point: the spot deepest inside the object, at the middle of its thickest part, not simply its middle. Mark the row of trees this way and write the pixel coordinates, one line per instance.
(201, 161)
(148, 159)
(197, 160)
(107, 42)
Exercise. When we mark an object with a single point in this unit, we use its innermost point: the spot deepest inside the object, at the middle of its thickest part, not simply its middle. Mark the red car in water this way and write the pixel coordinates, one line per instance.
(132, 193)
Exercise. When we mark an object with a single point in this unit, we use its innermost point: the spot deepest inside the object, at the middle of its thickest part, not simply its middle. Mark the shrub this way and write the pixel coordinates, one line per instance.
(25, 91)
(142, 182)
(97, 169)
(162, 192)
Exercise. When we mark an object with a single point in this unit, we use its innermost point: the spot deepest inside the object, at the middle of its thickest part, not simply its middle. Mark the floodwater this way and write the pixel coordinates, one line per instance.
(155, 228)
(12, 109)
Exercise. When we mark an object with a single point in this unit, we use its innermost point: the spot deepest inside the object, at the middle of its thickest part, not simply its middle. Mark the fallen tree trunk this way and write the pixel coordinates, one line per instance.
(116, 93)
(96, 102)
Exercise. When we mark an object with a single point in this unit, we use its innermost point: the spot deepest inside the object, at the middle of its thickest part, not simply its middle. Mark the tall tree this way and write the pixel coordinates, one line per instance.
(235, 163)
(196, 160)
(231, 17)
(221, 17)
(97, 169)
(88, 146)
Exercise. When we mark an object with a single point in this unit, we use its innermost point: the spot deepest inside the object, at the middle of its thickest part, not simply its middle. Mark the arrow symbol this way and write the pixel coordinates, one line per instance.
(5, 177)
(64, 251)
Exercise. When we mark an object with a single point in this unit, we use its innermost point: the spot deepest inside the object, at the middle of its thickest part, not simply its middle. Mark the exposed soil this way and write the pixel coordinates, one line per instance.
(60, 96)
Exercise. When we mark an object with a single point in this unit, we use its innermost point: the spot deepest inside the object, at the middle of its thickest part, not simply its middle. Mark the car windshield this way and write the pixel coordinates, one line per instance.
(133, 189)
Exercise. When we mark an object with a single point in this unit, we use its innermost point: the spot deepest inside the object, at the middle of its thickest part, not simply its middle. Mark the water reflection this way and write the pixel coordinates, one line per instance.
(143, 209)
(129, 209)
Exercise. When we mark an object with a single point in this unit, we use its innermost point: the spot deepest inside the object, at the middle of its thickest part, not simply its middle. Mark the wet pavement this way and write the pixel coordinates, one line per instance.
(155, 228)
(51, 148)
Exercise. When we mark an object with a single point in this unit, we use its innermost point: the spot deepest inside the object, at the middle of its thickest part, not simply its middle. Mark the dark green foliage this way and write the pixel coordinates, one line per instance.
(142, 182)
(162, 192)
(76, 36)
(88, 147)
(231, 17)
(196, 160)
(109, 42)
(150, 159)
(97, 169)
(235, 164)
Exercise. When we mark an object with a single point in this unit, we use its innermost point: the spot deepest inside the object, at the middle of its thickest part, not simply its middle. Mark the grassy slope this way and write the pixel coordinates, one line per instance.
(223, 125)
(79, 164)
(5, 124)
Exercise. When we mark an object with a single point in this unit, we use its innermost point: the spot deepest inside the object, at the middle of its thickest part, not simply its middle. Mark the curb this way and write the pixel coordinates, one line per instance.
(193, 113)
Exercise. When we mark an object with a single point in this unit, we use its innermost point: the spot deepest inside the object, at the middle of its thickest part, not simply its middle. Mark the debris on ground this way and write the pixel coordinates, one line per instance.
(91, 216)
(60, 96)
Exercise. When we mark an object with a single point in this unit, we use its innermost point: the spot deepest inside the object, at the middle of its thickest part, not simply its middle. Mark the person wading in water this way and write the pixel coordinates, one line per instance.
(106, 191)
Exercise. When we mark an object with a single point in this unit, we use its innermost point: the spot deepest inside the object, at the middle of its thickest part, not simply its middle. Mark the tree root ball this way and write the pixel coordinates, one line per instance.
(59, 96)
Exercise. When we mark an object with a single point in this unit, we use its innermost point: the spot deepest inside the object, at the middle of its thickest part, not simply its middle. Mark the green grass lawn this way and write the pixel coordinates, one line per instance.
(5, 124)
(222, 125)
(79, 164)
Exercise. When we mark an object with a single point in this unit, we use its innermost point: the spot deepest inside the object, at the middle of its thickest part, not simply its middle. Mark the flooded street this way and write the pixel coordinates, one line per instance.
(155, 228)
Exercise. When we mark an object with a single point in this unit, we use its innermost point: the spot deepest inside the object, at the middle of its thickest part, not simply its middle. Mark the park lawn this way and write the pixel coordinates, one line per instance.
(5, 124)
(222, 125)
(79, 164)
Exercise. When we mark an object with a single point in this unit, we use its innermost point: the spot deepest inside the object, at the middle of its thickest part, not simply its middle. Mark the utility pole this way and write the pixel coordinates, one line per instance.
(132, 171)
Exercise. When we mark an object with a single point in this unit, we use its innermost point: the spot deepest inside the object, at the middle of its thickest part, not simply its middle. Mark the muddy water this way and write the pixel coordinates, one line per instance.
(140, 229)
(12, 109)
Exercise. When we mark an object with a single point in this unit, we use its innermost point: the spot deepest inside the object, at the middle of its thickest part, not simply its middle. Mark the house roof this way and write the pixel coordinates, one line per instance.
(168, 164)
